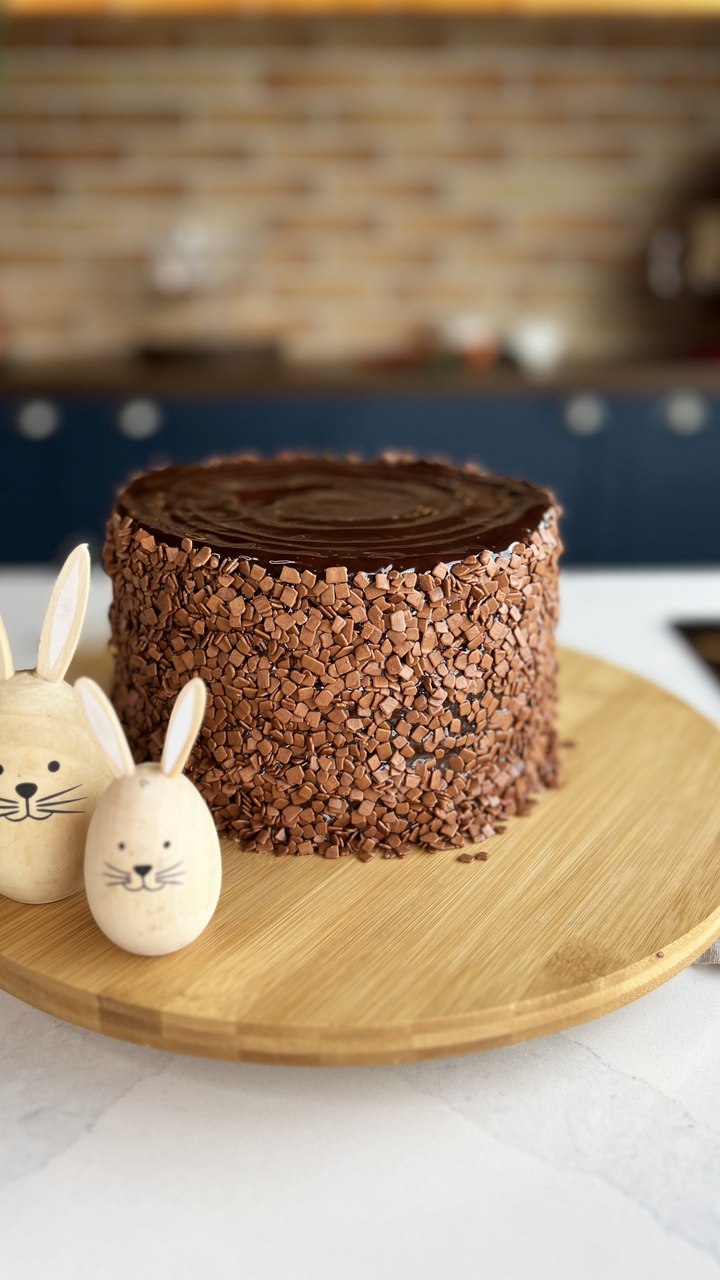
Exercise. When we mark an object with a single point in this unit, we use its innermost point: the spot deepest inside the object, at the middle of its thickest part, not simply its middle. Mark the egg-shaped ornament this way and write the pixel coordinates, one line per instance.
(153, 867)
(51, 772)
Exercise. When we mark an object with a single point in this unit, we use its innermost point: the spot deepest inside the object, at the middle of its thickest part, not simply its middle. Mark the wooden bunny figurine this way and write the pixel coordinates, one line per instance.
(152, 858)
(50, 772)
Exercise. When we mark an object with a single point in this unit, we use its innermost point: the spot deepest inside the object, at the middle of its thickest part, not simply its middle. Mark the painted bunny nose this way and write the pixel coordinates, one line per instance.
(142, 871)
(26, 789)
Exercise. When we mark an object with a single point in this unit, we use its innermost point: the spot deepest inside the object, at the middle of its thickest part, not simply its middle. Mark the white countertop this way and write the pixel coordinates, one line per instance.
(589, 1154)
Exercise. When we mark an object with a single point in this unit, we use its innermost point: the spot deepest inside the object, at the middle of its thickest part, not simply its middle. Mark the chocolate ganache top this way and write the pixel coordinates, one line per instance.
(318, 512)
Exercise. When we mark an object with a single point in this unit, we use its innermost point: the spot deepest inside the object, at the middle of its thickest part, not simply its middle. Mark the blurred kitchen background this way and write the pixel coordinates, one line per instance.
(488, 237)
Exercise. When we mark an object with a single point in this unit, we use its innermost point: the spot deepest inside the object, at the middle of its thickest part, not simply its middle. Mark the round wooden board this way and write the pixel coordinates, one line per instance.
(608, 888)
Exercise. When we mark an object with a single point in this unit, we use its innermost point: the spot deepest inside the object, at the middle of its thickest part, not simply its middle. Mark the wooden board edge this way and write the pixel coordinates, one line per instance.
(438, 1038)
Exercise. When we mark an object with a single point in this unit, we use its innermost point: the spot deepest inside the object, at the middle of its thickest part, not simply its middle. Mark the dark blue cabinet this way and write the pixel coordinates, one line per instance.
(633, 489)
(663, 489)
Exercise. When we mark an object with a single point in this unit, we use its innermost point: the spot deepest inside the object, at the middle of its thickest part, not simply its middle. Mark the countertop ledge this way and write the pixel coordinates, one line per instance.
(223, 377)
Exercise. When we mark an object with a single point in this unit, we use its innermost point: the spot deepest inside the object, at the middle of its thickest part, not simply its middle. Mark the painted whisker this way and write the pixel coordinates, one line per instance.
(54, 794)
(49, 813)
(57, 804)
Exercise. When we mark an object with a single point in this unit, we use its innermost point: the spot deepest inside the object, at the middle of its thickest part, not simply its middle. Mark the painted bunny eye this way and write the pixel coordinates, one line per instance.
(1, 769)
(121, 845)
(53, 766)
(166, 844)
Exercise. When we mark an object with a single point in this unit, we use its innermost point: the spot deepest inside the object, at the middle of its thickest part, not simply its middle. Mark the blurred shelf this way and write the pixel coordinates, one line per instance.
(120, 8)
(210, 379)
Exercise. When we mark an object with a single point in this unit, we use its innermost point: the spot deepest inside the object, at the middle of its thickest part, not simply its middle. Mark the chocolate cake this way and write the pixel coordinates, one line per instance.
(377, 639)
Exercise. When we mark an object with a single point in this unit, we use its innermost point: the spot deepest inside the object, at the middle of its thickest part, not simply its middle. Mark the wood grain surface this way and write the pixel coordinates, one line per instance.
(607, 889)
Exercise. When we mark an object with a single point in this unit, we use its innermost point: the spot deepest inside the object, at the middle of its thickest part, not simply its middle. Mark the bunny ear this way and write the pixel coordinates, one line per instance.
(105, 727)
(6, 663)
(185, 720)
(65, 616)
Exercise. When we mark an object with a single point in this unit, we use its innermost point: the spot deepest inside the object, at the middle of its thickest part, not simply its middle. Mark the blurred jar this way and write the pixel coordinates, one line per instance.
(536, 344)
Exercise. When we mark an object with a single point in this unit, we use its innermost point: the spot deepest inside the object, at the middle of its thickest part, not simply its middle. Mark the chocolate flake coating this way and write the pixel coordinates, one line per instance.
(351, 709)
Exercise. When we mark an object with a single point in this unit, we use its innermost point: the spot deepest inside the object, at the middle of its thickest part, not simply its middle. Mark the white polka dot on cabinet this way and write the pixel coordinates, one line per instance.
(585, 414)
(38, 420)
(140, 419)
(686, 413)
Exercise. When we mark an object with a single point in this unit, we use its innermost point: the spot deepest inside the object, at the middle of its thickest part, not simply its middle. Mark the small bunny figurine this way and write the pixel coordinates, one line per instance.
(152, 858)
(50, 772)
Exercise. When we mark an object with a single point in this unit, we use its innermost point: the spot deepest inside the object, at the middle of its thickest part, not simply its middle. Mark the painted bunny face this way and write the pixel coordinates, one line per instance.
(161, 858)
(152, 858)
(51, 773)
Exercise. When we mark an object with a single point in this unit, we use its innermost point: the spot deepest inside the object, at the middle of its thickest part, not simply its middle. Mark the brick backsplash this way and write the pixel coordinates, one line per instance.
(358, 178)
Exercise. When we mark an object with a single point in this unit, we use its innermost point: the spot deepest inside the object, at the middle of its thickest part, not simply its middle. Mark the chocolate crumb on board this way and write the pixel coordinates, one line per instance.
(465, 857)
(482, 856)
(350, 709)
